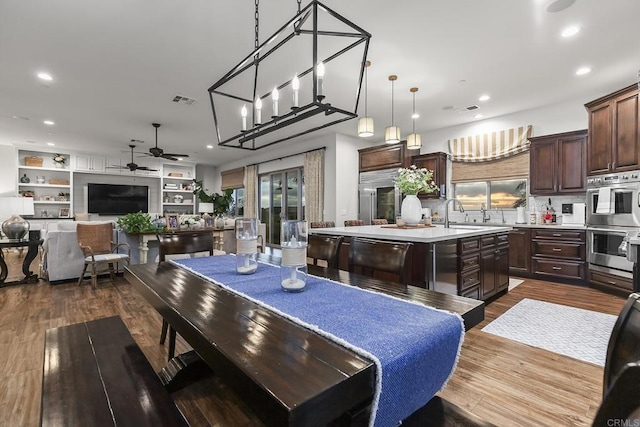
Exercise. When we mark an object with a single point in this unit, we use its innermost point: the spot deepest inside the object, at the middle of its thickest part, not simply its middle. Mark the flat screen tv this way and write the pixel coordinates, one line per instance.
(113, 199)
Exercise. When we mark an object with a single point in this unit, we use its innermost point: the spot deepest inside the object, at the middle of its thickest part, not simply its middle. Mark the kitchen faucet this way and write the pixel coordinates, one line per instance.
(446, 210)
(485, 216)
(501, 213)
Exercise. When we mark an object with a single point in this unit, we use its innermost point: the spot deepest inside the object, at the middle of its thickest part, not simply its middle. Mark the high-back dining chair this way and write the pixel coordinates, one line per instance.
(621, 384)
(368, 256)
(379, 221)
(353, 222)
(180, 244)
(323, 250)
(96, 243)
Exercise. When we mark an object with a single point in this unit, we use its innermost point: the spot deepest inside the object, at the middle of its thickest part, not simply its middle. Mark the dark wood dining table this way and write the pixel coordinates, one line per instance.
(287, 374)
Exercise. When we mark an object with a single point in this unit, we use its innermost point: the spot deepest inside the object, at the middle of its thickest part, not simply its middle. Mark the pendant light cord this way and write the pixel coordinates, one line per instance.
(392, 86)
(413, 116)
(299, 4)
(257, 25)
(366, 89)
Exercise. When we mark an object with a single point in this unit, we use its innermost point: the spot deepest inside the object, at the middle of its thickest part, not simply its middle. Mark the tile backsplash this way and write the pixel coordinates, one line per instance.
(509, 214)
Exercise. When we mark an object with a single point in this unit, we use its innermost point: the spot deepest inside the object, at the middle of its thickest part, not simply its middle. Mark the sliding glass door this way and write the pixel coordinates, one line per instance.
(281, 198)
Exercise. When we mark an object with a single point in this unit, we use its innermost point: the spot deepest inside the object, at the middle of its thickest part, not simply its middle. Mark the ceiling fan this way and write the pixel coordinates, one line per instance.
(132, 166)
(159, 152)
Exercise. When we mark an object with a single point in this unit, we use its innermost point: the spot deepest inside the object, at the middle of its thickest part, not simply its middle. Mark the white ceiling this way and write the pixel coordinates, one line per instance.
(117, 64)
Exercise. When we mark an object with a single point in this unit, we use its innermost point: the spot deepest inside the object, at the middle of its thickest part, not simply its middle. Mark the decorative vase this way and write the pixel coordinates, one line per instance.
(15, 228)
(25, 179)
(411, 210)
(59, 165)
(219, 222)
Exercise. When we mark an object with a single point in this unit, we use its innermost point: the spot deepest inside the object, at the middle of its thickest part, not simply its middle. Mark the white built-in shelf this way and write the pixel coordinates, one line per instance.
(49, 202)
(179, 178)
(22, 184)
(178, 204)
(177, 191)
(38, 168)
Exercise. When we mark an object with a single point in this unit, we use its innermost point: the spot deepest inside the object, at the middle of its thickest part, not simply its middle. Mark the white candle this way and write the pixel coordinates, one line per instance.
(258, 105)
(275, 96)
(295, 85)
(320, 73)
(243, 113)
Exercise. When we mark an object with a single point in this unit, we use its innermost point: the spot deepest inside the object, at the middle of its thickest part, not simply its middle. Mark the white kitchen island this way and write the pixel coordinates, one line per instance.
(458, 260)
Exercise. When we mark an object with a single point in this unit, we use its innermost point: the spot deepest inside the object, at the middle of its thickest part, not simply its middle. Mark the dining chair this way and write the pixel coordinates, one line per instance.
(98, 248)
(621, 383)
(372, 257)
(180, 244)
(323, 250)
(379, 221)
(322, 224)
(353, 222)
(624, 342)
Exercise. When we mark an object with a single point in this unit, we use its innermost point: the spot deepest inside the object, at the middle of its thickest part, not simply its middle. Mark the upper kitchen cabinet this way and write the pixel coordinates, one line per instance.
(386, 156)
(436, 162)
(614, 140)
(557, 163)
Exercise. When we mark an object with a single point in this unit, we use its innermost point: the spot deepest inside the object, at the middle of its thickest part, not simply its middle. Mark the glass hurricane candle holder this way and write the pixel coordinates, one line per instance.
(247, 245)
(293, 268)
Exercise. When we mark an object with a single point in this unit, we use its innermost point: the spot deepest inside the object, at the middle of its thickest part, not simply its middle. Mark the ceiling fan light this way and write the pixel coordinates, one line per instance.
(365, 127)
(414, 141)
(392, 134)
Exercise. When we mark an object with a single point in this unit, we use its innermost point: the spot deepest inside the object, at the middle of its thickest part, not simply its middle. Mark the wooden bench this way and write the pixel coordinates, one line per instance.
(95, 374)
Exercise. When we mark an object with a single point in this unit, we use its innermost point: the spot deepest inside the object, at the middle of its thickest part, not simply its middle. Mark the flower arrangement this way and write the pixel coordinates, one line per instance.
(413, 180)
(188, 220)
(59, 159)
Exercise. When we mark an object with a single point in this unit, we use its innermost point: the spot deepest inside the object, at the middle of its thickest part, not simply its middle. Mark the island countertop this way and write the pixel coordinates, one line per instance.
(437, 233)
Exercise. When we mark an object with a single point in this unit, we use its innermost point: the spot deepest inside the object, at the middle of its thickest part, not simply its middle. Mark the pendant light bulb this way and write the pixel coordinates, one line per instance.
(365, 124)
(414, 141)
(392, 133)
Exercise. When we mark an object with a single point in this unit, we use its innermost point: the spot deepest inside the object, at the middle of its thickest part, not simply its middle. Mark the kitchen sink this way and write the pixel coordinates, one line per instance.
(476, 225)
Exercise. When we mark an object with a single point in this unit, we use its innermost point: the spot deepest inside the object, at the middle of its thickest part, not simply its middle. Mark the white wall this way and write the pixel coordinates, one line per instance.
(345, 167)
(8, 170)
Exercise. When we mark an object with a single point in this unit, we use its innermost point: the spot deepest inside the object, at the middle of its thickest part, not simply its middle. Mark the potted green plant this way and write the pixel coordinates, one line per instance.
(221, 202)
(137, 222)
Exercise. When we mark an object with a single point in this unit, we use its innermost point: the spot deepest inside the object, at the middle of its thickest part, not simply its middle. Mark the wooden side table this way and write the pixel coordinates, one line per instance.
(29, 276)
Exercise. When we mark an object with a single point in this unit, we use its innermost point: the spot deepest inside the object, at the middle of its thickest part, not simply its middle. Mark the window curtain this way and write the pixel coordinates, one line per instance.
(492, 156)
(251, 191)
(314, 185)
(232, 179)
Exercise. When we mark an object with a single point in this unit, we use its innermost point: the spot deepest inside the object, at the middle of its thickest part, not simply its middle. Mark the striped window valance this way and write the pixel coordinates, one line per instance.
(490, 146)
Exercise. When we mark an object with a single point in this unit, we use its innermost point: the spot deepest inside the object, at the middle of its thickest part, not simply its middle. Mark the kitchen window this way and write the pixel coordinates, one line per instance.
(495, 194)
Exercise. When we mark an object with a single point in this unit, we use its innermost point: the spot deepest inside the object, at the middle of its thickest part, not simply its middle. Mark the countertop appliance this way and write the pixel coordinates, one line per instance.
(573, 213)
(378, 196)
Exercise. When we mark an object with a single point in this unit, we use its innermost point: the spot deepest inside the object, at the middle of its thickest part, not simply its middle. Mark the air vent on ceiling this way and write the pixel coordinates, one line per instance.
(184, 100)
(135, 141)
(467, 109)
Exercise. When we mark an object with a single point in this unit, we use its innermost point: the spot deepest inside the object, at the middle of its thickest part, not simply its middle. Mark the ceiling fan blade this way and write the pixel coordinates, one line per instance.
(168, 157)
(144, 168)
(175, 155)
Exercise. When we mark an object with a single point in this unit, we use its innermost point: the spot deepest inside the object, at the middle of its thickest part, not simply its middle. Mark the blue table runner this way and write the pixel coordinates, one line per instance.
(415, 348)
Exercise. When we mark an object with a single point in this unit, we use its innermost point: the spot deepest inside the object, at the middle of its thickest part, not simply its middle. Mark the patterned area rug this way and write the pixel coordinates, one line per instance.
(574, 332)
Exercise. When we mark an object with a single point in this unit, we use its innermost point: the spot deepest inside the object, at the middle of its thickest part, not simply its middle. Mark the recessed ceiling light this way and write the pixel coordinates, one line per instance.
(49, 122)
(415, 116)
(484, 98)
(179, 158)
(209, 147)
(478, 116)
(582, 71)
(570, 31)
(51, 143)
(45, 76)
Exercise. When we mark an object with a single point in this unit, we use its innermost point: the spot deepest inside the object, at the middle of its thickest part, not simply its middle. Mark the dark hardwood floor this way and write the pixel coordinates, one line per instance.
(500, 380)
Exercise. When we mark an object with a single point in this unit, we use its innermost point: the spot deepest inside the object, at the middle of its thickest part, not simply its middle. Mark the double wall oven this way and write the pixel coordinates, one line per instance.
(613, 215)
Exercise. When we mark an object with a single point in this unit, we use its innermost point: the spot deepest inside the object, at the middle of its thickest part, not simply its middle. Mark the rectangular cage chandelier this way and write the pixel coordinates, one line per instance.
(305, 77)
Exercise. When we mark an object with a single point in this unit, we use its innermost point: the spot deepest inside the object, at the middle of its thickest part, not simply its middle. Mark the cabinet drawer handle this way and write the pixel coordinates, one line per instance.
(611, 282)
(557, 250)
(557, 235)
(556, 268)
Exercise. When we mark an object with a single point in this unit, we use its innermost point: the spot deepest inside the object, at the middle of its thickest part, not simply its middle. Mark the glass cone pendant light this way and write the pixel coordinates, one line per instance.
(392, 133)
(365, 124)
(414, 141)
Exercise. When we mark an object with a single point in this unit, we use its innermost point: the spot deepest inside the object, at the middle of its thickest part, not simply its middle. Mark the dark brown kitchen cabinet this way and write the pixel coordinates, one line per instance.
(558, 163)
(383, 157)
(559, 254)
(494, 264)
(436, 162)
(520, 251)
(614, 137)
